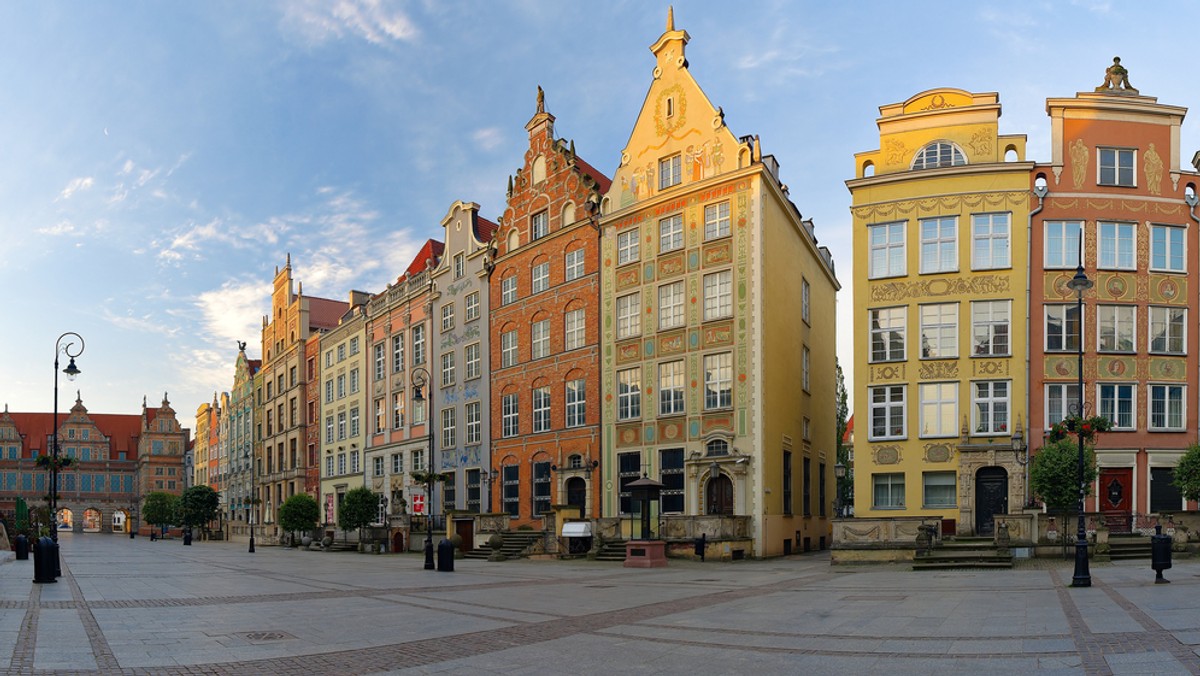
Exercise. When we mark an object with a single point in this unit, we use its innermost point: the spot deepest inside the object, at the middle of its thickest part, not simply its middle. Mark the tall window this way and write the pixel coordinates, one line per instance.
(473, 492)
(508, 290)
(418, 344)
(939, 409)
(670, 305)
(397, 463)
(629, 311)
(541, 409)
(939, 331)
(474, 419)
(328, 392)
(353, 389)
(341, 389)
(540, 278)
(887, 334)
(627, 246)
(341, 463)
(1166, 248)
(341, 425)
(670, 388)
(540, 339)
(1060, 398)
(629, 469)
(460, 265)
(573, 264)
(473, 356)
(380, 416)
(510, 476)
(379, 362)
(1062, 328)
(1116, 246)
(448, 316)
(539, 225)
(447, 369)
(1166, 407)
(1116, 166)
(940, 490)
(716, 220)
(449, 427)
(509, 415)
(574, 327)
(398, 353)
(939, 244)
(787, 482)
(807, 479)
(508, 348)
(990, 327)
(670, 233)
(629, 393)
(991, 241)
(541, 488)
(718, 380)
(805, 296)
(576, 403)
(718, 295)
(1167, 332)
(1117, 328)
(805, 368)
(397, 410)
(990, 406)
(1062, 244)
(472, 303)
(888, 491)
(354, 422)
(887, 250)
(1117, 403)
(887, 412)
(671, 475)
(670, 171)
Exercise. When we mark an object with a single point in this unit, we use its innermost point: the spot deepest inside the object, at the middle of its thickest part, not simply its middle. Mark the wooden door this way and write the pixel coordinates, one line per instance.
(465, 528)
(1116, 498)
(991, 498)
(720, 495)
(577, 494)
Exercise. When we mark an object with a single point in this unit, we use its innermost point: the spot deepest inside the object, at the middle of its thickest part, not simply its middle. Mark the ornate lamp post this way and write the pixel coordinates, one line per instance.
(839, 475)
(253, 494)
(1082, 577)
(420, 378)
(55, 462)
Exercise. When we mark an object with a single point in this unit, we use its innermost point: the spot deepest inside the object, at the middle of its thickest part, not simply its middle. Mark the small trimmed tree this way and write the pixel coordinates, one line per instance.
(1187, 473)
(359, 508)
(299, 513)
(198, 506)
(1054, 475)
(159, 508)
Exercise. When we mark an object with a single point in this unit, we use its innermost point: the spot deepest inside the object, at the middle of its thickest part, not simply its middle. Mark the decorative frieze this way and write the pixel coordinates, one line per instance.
(974, 286)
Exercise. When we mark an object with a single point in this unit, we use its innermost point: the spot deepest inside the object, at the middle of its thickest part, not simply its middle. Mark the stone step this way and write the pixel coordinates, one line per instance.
(945, 565)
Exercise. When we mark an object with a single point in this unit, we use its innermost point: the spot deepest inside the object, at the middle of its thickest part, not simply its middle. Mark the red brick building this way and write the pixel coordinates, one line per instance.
(545, 310)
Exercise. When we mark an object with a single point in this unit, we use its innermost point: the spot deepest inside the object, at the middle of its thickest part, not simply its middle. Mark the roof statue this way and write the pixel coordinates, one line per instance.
(241, 346)
(541, 100)
(1116, 79)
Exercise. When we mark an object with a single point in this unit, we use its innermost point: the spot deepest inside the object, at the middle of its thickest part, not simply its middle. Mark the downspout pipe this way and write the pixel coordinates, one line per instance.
(1040, 192)
(1190, 198)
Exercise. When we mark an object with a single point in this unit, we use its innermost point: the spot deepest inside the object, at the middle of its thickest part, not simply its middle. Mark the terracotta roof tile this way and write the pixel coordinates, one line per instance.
(123, 431)
(603, 181)
(432, 249)
(484, 229)
(324, 313)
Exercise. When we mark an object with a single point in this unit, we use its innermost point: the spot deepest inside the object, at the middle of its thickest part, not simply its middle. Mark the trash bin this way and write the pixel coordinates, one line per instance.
(701, 545)
(45, 559)
(1160, 554)
(21, 548)
(445, 556)
(187, 537)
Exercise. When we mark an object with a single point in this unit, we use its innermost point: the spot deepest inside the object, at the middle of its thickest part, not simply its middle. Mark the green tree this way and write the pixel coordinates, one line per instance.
(845, 486)
(1054, 475)
(198, 506)
(1187, 473)
(299, 513)
(159, 508)
(359, 508)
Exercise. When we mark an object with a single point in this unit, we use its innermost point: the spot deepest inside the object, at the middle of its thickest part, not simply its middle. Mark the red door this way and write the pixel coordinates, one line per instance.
(1116, 498)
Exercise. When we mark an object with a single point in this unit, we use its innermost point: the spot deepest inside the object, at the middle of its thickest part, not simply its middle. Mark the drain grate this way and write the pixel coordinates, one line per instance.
(265, 636)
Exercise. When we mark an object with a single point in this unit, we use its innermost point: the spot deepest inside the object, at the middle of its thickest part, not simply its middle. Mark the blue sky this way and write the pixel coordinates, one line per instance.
(159, 160)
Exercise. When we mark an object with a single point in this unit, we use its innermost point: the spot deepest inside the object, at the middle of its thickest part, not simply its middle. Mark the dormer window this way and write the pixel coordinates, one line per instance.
(939, 154)
(1116, 166)
(670, 172)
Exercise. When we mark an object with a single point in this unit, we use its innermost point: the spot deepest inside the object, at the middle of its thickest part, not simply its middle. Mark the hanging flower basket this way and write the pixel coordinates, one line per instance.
(1074, 425)
(46, 462)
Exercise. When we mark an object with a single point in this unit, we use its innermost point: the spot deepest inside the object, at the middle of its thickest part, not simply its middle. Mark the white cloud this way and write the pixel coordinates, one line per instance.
(375, 21)
(75, 185)
(193, 239)
(489, 138)
(234, 312)
(63, 227)
(145, 323)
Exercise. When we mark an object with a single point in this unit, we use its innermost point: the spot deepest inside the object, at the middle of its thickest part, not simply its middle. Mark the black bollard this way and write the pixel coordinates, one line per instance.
(21, 547)
(445, 556)
(1160, 554)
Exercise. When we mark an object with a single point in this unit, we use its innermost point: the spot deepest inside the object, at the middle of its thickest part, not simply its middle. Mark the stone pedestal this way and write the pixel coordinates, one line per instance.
(645, 554)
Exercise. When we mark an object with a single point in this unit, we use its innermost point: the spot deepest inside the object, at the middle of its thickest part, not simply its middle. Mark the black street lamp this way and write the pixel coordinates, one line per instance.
(71, 370)
(253, 492)
(839, 475)
(1082, 577)
(421, 379)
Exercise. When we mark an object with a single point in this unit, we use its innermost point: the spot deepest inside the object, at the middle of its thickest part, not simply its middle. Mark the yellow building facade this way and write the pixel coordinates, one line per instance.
(941, 219)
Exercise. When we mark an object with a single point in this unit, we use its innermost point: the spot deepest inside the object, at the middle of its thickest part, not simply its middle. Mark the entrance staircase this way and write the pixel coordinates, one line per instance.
(611, 550)
(963, 552)
(1128, 547)
(516, 545)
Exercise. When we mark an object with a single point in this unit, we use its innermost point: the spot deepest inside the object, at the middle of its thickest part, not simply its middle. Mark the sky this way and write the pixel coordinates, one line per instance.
(158, 161)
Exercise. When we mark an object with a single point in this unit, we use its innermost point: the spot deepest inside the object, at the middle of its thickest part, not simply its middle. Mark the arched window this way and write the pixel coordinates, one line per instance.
(575, 461)
(717, 447)
(939, 154)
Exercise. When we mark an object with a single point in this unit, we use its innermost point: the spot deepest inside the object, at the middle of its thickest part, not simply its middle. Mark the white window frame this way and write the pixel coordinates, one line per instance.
(991, 412)
(1121, 321)
(885, 321)
(805, 301)
(939, 244)
(1109, 160)
(574, 329)
(718, 380)
(508, 349)
(398, 353)
(472, 303)
(718, 295)
(716, 220)
(893, 483)
(539, 278)
(541, 409)
(944, 480)
(573, 264)
(1069, 339)
(448, 369)
(397, 410)
(473, 355)
(670, 171)
(991, 241)
(1064, 397)
(670, 233)
(576, 397)
(510, 415)
(987, 319)
(508, 290)
(460, 266)
(629, 315)
(939, 154)
(474, 411)
(448, 317)
(380, 362)
(888, 255)
(890, 401)
(1178, 403)
(939, 321)
(539, 339)
(1116, 245)
(449, 427)
(671, 388)
(1175, 331)
(1061, 251)
(627, 246)
(938, 410)
(629, 393)
(1164, 236)
(539, 225)
(670, 306)
(418, 344)
(805, 368)
(1110, 396)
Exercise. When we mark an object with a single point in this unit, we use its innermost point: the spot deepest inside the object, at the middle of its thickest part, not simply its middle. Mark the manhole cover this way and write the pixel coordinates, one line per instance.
(262, 636)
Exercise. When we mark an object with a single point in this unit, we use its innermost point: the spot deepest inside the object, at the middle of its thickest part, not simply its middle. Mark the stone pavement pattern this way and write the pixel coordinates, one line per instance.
(133, 606)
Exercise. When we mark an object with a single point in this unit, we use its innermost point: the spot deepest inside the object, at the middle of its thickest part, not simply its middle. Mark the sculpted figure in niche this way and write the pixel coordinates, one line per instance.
(1116, 79)
(1079, 162)
(1154, 167)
